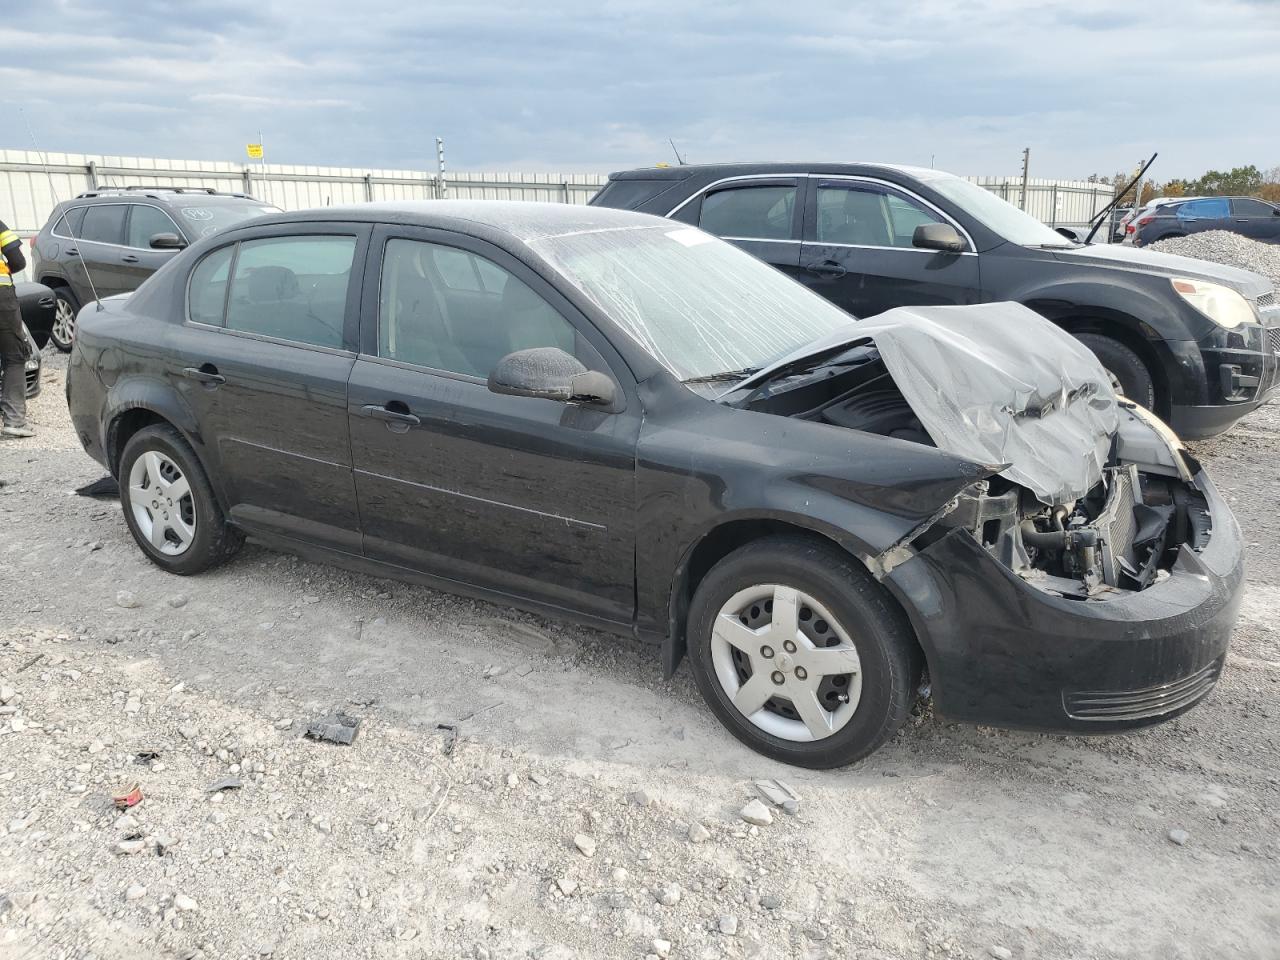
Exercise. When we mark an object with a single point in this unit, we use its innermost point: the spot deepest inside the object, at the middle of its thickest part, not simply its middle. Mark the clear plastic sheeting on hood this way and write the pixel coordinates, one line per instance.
(997, 383)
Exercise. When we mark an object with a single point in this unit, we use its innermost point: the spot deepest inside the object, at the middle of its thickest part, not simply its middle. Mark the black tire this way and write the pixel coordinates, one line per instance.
(58, 335)
(215, 541)
(891, 659)
(1125, 366)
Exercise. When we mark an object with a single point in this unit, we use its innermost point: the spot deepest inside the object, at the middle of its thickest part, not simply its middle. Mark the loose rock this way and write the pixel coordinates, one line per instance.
(728, 925)
(698, 833)
(1000, 953)
(586, 846)
(757, 813)
(669, 895)
(1179, 836)
(127, 600)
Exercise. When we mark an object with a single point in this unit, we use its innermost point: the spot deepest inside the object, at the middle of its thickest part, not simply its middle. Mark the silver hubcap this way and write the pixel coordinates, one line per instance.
(64, 322)
(160, 498)
(785, 663)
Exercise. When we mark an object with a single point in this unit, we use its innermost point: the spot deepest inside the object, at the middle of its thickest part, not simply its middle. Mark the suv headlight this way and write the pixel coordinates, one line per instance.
(1220, 304)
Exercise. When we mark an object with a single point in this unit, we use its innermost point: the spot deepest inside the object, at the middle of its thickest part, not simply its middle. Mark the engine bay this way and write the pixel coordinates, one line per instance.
(1123, 535)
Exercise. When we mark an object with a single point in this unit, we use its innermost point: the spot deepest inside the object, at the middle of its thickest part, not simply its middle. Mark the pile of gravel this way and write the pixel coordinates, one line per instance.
(1222, 246)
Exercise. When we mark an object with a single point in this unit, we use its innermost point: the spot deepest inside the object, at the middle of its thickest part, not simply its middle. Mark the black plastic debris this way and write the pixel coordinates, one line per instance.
(451, 737)
(103, 489)
(336, 728)
(226, 783)
(146, 756)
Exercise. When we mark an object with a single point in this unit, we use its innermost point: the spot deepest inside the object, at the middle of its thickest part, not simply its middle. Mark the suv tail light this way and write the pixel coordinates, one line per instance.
(1144, 221)
(1130, 228)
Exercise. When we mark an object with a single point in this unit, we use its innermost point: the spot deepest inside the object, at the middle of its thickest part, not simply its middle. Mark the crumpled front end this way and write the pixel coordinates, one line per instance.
(996, 383)
(1092, 583)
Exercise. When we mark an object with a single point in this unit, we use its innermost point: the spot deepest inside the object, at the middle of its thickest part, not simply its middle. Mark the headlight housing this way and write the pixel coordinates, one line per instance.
(1220, 304)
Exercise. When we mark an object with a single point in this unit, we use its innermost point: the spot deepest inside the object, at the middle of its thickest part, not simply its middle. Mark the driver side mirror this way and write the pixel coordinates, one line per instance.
(167, 241)
(937, 236)
(550, 374)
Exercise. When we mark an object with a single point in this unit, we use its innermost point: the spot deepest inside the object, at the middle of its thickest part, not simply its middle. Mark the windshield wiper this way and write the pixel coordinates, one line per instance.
(723, 376)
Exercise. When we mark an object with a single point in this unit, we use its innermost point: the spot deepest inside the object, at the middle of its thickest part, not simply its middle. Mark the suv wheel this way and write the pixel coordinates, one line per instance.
(801, 654)
(64, 319)
(169, 505)
(1126, 369)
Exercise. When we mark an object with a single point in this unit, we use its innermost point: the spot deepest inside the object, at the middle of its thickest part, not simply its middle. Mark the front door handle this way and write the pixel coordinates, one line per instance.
(207, 374)
(73, 252)
(390, 416)
(827, 268)
(129, 258)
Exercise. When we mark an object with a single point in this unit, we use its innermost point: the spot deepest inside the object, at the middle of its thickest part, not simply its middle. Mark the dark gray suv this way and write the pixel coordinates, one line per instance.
(107, 241)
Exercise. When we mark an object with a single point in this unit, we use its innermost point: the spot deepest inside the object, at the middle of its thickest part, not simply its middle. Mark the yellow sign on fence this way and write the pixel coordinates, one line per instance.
(254, 150)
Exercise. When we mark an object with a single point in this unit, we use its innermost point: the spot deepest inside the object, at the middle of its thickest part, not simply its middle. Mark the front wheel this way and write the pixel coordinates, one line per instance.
(63, 333)
(169, 505)
(801, 654)
(1128, 373)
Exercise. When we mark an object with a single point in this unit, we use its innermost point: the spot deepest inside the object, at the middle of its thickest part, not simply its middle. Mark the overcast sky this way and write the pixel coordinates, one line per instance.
(594, 86)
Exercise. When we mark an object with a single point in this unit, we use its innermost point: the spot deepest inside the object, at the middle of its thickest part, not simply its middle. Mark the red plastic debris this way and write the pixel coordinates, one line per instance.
(130, 796)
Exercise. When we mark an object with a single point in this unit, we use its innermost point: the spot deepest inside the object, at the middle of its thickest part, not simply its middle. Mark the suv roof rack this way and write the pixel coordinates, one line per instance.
(151, 191)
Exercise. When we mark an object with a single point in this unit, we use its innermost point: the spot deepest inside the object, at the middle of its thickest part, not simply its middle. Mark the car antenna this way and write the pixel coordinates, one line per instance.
(44, 163)
(679, 159)
(1115, 201)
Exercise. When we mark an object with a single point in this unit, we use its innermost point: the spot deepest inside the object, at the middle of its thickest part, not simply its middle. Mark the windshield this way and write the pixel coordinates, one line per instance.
(701, 306)
(201, 221)
(998, 215)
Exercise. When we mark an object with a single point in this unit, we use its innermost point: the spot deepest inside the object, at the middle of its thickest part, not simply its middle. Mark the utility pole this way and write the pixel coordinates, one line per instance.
(1026, 169)
(442, 187)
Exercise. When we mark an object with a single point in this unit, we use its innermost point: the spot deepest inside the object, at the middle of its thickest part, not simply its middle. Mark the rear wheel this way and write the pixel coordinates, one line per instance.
(169, 505)
(801, 654)
(1128, 373)
(64, 319)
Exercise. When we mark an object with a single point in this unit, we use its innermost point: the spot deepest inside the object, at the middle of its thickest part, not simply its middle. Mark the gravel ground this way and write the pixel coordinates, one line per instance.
(1222, 246)
(588, 809)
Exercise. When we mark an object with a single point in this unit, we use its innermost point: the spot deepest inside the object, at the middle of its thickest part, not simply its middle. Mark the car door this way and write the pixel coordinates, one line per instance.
(1256, 219)
(1211, 213)
(263, 361)
(101, 249)
(759, 214)
(139, 260)
(858, 250)
(528, 497)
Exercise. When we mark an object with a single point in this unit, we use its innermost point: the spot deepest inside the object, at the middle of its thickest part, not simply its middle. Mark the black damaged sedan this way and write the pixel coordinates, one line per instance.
(606, 416)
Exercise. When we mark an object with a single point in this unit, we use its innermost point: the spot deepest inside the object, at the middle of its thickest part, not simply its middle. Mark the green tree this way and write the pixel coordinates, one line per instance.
(1239, 181)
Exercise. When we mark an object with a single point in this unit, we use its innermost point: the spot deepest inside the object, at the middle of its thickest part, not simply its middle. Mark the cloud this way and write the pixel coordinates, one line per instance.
(574, 85)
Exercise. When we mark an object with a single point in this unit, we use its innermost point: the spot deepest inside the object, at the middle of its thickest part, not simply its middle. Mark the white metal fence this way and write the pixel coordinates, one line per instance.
(31, 184)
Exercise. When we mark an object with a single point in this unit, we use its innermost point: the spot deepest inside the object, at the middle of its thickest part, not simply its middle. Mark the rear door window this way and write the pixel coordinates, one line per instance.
(104, 223)
(292, 288)
(754, 212)
(630, 194)
(1214, 208)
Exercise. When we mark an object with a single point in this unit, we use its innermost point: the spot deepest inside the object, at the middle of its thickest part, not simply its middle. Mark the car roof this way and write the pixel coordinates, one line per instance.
(201, 195)
(715, 170)
(524, 219)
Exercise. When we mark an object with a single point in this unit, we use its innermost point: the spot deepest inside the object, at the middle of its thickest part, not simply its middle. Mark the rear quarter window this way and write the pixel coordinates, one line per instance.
(630, 194)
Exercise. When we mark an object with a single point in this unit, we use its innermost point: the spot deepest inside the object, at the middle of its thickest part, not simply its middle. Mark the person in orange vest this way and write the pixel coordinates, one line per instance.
(14, 346)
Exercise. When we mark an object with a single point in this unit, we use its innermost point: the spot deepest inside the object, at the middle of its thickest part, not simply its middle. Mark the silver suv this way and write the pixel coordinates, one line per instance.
(108, 241)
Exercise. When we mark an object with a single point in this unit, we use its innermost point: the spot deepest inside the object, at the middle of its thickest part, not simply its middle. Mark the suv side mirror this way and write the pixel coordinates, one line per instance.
(167, 241)
(937, 236)
(550, 374)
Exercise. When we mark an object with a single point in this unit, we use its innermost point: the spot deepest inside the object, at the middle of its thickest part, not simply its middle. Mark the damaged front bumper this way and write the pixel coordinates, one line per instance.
(1005, 652)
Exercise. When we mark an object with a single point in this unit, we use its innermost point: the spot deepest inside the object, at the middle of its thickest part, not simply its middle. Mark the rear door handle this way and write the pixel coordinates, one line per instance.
(129, 258)
(72, 251)
(208, 375)
(827, 268)
(389, 416)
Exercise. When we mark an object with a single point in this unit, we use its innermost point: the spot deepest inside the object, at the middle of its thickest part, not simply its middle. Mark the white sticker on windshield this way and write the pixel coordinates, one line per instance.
(690, 237)
(197, 213)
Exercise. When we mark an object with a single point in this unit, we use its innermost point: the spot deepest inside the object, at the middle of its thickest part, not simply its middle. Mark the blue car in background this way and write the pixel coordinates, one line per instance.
(1249, 216)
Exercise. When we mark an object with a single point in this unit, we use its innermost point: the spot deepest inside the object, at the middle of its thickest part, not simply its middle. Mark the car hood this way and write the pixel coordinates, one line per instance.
(994, 383)
(1158, 264)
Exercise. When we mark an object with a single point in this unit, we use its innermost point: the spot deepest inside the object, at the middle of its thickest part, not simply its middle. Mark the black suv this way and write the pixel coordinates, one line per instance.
(108, 241)
(1196, 342)
(1247, 216)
